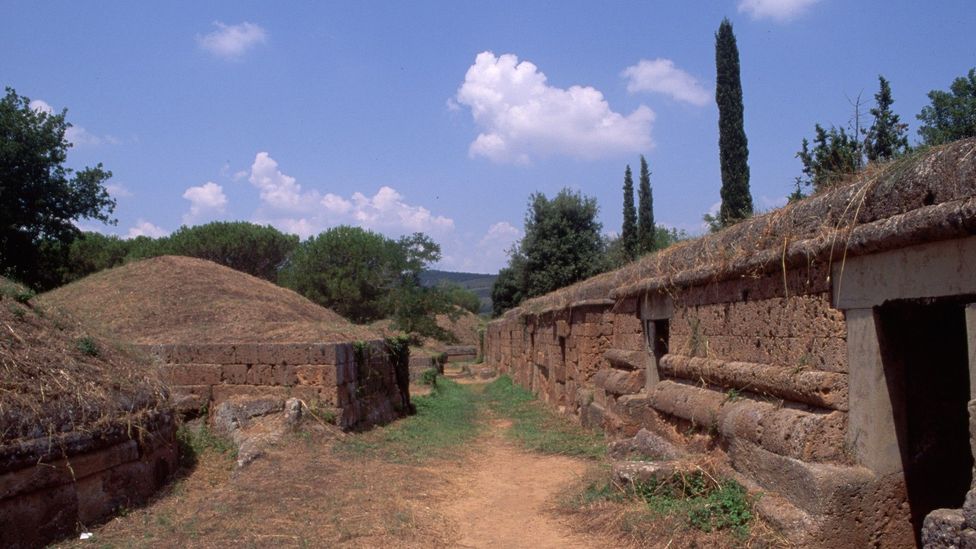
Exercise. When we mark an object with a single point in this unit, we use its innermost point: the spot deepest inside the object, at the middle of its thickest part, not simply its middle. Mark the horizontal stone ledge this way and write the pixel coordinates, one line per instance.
(815, 387)
(255, 353)
(65, 471)
(604, 302)
(619, 382)
(800, 434)
(626, 360)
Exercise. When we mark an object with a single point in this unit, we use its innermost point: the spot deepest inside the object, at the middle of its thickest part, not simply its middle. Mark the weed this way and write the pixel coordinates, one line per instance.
(537, 427)
(194, 442)
(446, 419)
(705, 503)
(87, 346)
(733, 395)
(16, 310)
(429, 377)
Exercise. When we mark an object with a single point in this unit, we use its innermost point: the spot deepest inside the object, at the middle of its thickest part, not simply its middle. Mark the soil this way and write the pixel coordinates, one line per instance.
(306, 494)
(173, 299)
(503, 496)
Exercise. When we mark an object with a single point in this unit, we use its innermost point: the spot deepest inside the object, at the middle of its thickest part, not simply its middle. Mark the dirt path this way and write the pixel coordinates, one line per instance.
(502, 496)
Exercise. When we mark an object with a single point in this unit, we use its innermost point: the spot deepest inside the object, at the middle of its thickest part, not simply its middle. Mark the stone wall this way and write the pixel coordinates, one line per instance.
(742, 344)
(363, 386)
(50, 486)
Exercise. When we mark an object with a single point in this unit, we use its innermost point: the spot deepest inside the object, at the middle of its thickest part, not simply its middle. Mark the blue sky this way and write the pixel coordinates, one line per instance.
(443, 117)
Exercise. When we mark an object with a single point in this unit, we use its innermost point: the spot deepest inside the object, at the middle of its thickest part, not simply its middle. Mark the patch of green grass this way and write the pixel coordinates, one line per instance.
(195, 442)
(87, 346)
(538, 428)
(445, 420)
(429, 377)
(706, 504)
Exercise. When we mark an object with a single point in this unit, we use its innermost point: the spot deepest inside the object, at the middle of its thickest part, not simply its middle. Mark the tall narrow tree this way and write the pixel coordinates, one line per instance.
(645, 211)
(886, 138)
(732, 143)
(628, 233)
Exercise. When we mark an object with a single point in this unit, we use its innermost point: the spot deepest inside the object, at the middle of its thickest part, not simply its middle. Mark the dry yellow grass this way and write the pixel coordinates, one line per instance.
(174, 299)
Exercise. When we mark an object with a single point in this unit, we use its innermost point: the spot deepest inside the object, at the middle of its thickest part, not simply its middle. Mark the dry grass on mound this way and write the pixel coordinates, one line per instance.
(55, 377)
(174, 299)
(464, 327)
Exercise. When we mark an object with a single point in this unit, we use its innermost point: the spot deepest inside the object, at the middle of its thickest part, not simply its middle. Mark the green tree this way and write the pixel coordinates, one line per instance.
(951, 115)
(886, 137)
(506, 292)
(562, 242)
(732, 142)
(347, 269)
(835, 156)
(459, 296)
(646, 230)
(253, 249)
(628, 233)
(40, 199)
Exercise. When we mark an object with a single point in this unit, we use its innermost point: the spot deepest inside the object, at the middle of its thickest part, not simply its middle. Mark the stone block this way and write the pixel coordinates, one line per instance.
(619, 382)
(224, 392)
(697, 405)
(826, 487)
(233, 374)
(260, 374)
(190, 374)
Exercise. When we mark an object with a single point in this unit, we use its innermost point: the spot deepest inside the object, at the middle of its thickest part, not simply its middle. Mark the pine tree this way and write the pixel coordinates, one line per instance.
(628, 233)
(886, 138)
(732, 142)
(951, 115)
(645, 211)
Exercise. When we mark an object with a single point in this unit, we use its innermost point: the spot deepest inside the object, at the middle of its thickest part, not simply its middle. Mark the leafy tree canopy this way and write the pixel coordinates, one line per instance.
(253, 249)
(835, 155)
(886, 137)
(952, 114)
(40, 198)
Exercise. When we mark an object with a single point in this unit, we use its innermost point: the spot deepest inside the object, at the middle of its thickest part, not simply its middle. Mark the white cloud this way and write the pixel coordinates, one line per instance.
(522, 117)
(118, 190)
(661, 76)
(145, 228)
(488, 255)
(41, 106)
(292, 209)
(205, 200)
(781, 11)
(232, 41)
(278, 190)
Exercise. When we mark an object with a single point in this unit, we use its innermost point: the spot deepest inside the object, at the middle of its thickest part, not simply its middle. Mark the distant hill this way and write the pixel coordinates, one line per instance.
(478, 283)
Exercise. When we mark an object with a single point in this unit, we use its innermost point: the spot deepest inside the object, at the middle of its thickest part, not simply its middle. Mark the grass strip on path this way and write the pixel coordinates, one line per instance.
(446, 419)
(537, 427)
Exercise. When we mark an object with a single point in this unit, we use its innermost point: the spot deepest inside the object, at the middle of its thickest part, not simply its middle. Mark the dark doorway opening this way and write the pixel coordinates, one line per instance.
(926, 364)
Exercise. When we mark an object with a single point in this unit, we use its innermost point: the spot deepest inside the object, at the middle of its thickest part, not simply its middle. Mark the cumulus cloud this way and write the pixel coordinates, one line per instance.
(488, 255)
(661, 76)
(278, 190)
(778, 10)
(522, 116)
(205, 200)
(287, 206)
(232, 41)
(40, 105)
(145, 228)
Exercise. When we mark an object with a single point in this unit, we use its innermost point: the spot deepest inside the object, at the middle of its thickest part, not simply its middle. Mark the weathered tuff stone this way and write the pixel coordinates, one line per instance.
(641, 472)
(644, 444)
(619, 382)
(626, 360)
(233, 415)
(942, 529)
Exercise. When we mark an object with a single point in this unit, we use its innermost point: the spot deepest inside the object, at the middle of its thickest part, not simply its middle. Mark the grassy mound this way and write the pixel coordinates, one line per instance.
(59, 381)
(172, 299)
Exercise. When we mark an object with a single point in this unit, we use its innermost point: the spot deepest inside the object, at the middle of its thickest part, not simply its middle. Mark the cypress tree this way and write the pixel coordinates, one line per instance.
(886, 138)
(628, 233)
(732, 143)
(645, 211)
